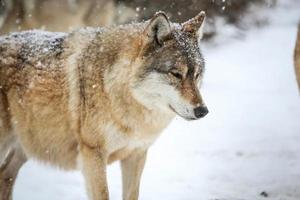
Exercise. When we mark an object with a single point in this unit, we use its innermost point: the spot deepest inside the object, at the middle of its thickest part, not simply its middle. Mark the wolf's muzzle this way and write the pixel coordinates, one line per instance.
(200, 111)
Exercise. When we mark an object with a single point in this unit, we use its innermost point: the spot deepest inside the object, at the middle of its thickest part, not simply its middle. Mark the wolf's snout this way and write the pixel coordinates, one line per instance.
(200, 111)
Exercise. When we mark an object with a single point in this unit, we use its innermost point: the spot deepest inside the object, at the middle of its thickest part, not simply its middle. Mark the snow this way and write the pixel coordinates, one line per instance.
(248, 144)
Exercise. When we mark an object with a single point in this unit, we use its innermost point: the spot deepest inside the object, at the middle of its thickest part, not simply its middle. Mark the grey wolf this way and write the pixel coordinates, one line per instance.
(84, 99)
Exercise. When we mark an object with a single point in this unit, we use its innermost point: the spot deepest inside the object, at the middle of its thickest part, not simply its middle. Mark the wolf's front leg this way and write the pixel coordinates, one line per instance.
(132, 168)
(94, 172)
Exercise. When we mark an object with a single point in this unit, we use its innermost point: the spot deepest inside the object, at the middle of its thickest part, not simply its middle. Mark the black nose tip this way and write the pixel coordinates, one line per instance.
(200, 111)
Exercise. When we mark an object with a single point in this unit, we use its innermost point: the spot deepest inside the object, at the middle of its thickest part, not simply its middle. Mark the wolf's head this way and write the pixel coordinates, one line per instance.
(172, 67)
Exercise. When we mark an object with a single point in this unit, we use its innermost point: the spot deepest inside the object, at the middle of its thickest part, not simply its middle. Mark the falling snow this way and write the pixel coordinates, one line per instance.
(247, 147)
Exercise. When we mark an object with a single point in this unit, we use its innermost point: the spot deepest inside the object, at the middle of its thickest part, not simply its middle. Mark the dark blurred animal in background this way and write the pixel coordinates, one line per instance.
(66, 15)
(297, 57)
(55, 15)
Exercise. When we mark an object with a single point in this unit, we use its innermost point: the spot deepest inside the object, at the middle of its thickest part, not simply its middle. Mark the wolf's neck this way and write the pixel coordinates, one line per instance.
(126, 107)
(108, 73)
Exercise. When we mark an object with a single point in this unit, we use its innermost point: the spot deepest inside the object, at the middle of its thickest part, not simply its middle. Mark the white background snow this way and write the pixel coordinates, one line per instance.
(249, 142)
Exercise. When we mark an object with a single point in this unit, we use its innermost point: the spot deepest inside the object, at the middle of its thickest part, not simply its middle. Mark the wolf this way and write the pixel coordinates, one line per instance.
(84, 99)
(297, 57)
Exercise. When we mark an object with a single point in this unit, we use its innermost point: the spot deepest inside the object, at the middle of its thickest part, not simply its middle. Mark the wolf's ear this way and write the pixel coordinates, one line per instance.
(195, 25)
(158, 28)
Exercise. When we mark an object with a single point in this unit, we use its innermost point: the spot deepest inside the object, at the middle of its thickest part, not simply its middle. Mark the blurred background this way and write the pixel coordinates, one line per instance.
(247, 148)
(66, 15)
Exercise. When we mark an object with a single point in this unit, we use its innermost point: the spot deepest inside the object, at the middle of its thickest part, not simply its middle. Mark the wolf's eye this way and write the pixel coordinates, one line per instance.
(197, 76)
(176, 74)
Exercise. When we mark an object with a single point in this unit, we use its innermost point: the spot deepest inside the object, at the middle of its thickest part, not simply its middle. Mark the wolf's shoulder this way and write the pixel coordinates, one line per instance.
(33, 43)
(33, 37)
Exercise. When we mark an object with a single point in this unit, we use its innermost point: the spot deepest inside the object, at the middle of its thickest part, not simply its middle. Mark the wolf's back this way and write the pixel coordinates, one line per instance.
(28, 48)
(30, 45)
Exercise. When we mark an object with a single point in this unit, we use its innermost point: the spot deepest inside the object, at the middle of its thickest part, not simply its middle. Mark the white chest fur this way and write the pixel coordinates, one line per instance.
(116, 139)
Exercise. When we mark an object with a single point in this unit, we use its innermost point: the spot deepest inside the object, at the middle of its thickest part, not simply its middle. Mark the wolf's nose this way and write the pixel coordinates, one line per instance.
(200, 111)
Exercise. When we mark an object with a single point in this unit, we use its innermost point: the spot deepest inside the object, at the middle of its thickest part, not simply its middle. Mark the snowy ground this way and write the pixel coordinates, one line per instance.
(248, 144)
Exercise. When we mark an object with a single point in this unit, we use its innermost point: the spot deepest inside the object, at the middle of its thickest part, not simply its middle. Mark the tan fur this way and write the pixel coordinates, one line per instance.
(71, 104)
(297, 57)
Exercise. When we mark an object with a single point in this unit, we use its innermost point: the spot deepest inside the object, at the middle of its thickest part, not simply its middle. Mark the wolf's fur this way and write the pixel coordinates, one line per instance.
(297, 57)
(88, 98)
